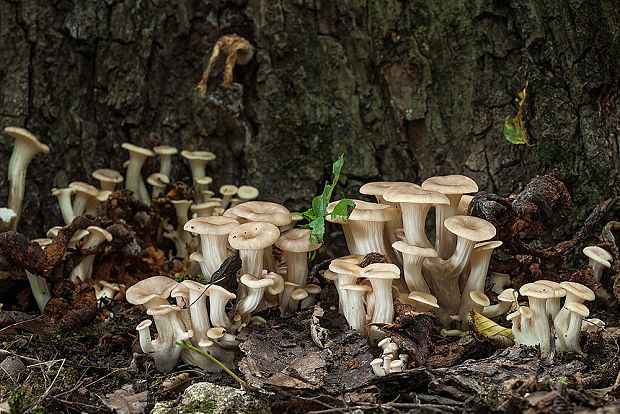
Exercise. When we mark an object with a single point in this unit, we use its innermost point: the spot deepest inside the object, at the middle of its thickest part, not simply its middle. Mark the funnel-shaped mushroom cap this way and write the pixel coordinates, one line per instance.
(470, 228)
(299, 294)
(558, 290)
(194, 286)
(578, 290)
(203, 180)
(513, 315)
(134, 149)
(488, 245)
(253, 236)
(278, 283)
(265, 211)
(480, 298)
(380, 187)
(356, 288)
(312, 289)
(165, 150)
(343, 267)
(147, 289)
(23, 135)
(162, 310)
(228, 190)
(218, 290)
(599, 255)
(84, 188)
(197, 257)
(254, 283)
(365, 211)
(216, 333)
(102, 233)
(450, 184)
(527, 312)
(297, 241)
(406, 248)
(414, 194)
(424, 298)
(107, 175)
(247, 192)
(381, 267)
(578, 308)
(215, 225)
(508, 295)
(158, 179)
(536, 290)
(198, 155)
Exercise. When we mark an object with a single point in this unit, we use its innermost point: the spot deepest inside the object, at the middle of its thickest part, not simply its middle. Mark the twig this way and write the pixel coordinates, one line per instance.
(389, 406)
(47, 390)
(23, 358)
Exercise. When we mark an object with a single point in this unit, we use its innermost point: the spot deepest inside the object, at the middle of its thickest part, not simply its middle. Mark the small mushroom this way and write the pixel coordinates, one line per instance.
(165, 153)
(107, 178)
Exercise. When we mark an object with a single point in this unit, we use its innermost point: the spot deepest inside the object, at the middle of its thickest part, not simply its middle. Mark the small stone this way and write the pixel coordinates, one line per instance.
(12, 366)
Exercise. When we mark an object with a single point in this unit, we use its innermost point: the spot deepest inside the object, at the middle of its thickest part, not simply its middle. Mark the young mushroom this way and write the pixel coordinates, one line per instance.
(381, 280)
(151, 292)
(107, 178)
(227, 191)
(165, 153)
(198, 161)
(413, 257)
(133, 180)
(354, 310)
(159, 182)
(83, 193)
(84, 269)
(64, 201)
(296, 245)
(250, 239)
(25, 149)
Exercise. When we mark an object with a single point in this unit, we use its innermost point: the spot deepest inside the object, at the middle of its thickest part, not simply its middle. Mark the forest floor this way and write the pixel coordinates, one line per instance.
(93, 369)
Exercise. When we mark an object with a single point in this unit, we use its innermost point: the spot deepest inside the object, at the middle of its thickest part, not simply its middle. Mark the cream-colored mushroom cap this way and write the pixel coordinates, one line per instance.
(330, 275)
(104, 233)
(107, 175)
(206, 205)
(463, 206)
(223, 291)
(470, 228)
(85, 188)
(297, 241)
(411, 194)
(206, 343)
(379, 187)
(228, 190)
(247, 192)
(253, 236)
(487, 245)
(480, 298)
(599, 255)
(193, 285)
(423, 298)
(450, 184)
(299, 294)
(508, 295)
(147, 289)
(165, 150)
(380, 274)
(26, 136)
(381, 267)
(139, 150)
(364, 211)
(406, 248)
(278, 283)
(43, 241)
(79, 235)
(103, 195)
(53, 231)
(355, 287)
(158, 179)
(344, 267)
(198, 155)
(144, 324)
(578, 290)
(216, 333)
(536, 290)
(266, 211)
(181, 290)
(197, 257)
(513, 315)
(558, 290)
(254, 283)
(312, 289)
(203, 180)
(400, 234)
(215, 225)
(578, 308)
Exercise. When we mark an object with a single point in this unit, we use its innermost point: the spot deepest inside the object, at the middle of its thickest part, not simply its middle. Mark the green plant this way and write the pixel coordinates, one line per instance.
(317, 213)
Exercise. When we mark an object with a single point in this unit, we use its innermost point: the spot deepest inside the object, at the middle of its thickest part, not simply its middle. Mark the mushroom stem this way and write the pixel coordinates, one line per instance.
(64, 201)
(40, 290)
(445, 240)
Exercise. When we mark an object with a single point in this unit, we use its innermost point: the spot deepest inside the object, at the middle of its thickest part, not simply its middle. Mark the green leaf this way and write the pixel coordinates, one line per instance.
(343, 209)
(513, 133)
(336, 171)
(318, 230)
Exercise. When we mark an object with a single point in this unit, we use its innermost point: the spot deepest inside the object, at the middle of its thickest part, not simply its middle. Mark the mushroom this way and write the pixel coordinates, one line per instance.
(570, 342)
(553, 304)
(7, 218)
(453, 187)
(413, 257)
(84, 269)
(499, 281)
(222, 338)
(537, 296)
(159, 182)
(285, 297)
(105, 289)
(213, 231)
(442, 275)
(179, 236)
(165, 153)
(575, 292)
(592, 325)
(364, 227)
(218, 297)
(170, 330)
(506, 299)
(25, 149)
(422, 301)
(246, 193)
(151, 292)
(463, 208)
(522, 326)
(255, 290)
(396, 366)
(296, 295)
(345, 273)
(205, 209)
(250, 239)
(377, 367)
(107, 178)
(133, 180)
(227, 191)
(64, 201)
(381, 281)
(296, 245)
(599, 258)
(414, 203)
(83, 192)
(198, 161)
(312, 291)
(353, 309)
(92, 203)
(479, 265)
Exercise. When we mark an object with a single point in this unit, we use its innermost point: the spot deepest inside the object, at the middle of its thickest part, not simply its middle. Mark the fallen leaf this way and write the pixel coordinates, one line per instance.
(485, 327)
(126, 401)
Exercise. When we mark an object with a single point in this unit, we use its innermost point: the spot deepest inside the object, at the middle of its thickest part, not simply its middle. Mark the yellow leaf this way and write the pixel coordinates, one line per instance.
(514, 128)
(486, 327)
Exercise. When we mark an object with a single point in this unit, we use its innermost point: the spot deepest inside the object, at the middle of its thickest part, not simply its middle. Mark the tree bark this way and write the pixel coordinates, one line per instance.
(405, 89)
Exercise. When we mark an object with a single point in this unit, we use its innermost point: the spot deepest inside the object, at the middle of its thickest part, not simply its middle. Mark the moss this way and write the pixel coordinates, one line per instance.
(549, 153)
(205, 405)
(121, 378)
(20, 400)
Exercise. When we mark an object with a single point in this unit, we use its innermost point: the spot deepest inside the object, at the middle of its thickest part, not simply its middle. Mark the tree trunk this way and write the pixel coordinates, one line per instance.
(406, 89)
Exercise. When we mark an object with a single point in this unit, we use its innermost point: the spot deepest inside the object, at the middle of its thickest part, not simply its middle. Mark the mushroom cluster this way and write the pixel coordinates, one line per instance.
(453, 269)
(532, 325)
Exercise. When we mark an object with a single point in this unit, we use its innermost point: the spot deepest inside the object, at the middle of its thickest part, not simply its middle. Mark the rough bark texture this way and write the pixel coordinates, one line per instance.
(407, 89)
